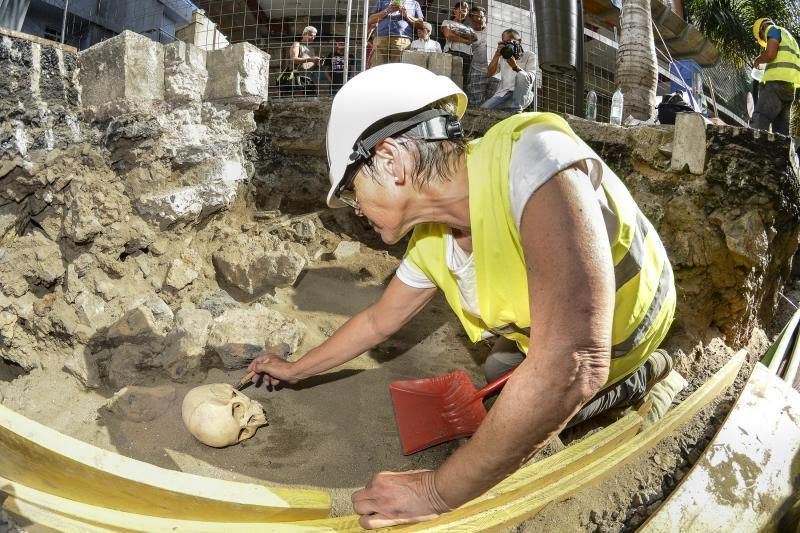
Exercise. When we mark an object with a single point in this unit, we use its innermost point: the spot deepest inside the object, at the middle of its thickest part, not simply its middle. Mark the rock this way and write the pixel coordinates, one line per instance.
(346, 249)
(185, 74)
(8, 323)
(191, 204)
(689, 143)
(127, 363)
(238, 74)
(141, 404)
(217, 302)
(136, 324)
(179, 275)
(254, 264)
(305, 230)
(240, 334)
(29, 260)
(185, 345)
(82, 365)
(121, 74)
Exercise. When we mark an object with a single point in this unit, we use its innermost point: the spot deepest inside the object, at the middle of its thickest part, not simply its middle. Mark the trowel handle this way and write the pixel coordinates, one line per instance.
(494, 385)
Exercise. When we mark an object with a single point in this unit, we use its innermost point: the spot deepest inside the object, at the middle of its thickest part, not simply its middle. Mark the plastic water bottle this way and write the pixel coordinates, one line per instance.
(616, 107)
(591, 105)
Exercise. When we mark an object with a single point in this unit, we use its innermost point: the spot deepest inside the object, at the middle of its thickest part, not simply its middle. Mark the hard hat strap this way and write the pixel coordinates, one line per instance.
(431, 125)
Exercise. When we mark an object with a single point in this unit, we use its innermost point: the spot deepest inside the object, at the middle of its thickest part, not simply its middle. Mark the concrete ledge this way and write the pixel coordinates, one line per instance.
(689, 144)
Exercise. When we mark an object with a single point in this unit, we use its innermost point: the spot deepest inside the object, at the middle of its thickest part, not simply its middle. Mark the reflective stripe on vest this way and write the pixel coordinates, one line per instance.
(645, 294)
(786, 64)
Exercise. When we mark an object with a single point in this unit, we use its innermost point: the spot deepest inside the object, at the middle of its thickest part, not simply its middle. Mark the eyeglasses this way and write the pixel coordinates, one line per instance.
(349, 198)
(347, 193)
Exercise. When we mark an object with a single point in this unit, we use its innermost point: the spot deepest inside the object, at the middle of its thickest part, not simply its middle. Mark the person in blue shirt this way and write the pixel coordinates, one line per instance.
(396, 20)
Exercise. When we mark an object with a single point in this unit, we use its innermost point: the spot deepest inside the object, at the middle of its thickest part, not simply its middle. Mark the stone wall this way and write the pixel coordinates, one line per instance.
(726, 202)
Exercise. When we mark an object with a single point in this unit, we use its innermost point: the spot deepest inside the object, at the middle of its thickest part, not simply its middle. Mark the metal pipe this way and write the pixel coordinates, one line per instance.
(579, 71)
(535, 49)
(64, 21)
(347, 40)
(364, 30)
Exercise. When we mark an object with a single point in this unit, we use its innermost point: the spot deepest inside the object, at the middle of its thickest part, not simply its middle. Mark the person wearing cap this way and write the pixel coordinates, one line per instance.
(396, 20)
(781, 77)
(532, 239)
(424, 43)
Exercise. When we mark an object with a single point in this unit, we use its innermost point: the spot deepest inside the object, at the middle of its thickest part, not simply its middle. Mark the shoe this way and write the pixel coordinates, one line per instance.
(658, 366)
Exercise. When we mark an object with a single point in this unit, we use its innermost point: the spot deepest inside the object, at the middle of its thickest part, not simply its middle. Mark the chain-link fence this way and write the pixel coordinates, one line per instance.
(315, 45)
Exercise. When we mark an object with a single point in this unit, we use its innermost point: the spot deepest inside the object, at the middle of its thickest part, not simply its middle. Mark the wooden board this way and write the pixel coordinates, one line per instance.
(43, 459)
(55, 512)
(35, 39)
(746, 472)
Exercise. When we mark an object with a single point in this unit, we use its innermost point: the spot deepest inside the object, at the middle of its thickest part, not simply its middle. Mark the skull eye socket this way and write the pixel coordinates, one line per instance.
(245, 433)
(237, 410)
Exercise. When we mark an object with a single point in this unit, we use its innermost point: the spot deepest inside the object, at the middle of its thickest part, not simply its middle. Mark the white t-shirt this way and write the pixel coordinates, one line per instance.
(507, 75)
(538, 155)
(452, 45)
(426, 46)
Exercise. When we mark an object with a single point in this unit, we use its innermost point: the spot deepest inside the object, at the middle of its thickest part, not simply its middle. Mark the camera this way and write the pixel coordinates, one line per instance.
(511, 48)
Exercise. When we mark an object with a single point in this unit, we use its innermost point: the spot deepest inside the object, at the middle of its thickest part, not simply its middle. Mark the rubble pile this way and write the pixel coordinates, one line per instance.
(123, 255)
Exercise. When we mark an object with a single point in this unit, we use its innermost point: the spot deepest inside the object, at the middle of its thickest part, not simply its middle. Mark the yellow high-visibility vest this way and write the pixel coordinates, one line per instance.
(786, 65)
(645, 291)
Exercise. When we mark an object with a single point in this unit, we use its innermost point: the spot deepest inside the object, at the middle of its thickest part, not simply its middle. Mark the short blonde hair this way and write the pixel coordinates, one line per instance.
(309, 29)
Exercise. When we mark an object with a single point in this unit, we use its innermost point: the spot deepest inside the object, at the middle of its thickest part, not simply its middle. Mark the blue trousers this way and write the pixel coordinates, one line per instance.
(518, 99)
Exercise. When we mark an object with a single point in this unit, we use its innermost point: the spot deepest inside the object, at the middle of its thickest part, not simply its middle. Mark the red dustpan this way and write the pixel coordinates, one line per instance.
(435, 410)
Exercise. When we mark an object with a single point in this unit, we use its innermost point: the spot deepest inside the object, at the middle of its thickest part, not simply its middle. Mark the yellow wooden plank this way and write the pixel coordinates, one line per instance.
(35, 505)
(46, 520)
(43, 459)
(35, 39)
(746, 477)
(513, 507)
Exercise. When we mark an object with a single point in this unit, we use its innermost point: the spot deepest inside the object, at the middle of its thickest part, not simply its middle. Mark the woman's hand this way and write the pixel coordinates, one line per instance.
(272, 369)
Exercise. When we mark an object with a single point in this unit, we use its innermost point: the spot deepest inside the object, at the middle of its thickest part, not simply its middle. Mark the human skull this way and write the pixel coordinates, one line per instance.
(218, 415)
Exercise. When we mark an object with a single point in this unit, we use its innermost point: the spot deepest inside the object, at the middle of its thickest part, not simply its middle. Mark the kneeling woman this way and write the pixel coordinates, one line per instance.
(532, 239)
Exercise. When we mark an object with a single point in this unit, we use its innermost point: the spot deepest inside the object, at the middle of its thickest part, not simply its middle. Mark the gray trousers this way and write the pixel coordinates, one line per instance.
(774, 107)
(505, 355)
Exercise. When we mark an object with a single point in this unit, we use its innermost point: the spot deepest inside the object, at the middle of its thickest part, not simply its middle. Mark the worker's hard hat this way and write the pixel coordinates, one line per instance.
(372, 102)
(757, 30)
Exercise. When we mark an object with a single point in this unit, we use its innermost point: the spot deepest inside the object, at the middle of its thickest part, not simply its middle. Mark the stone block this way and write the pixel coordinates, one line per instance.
(122, 73)
(441, 64)
(689, 143)
(415, 58)
(185, 74)
(457, 69)
(238, 75)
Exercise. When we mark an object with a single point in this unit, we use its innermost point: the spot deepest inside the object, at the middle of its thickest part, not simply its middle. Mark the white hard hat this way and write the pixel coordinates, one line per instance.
(393, 90)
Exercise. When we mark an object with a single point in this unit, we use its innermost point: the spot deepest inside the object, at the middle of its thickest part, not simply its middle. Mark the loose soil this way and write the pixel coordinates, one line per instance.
(333, 431)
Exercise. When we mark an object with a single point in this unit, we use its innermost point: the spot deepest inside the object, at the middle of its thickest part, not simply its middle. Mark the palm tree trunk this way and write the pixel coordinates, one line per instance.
(637, 69)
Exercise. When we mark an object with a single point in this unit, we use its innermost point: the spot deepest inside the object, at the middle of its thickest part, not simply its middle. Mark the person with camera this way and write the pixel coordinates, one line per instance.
(516, 74)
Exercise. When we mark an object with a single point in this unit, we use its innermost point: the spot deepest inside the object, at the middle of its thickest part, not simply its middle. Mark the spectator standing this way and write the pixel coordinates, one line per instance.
(424, 43)
(459, 38)
(478, 80)
(782, 76)
(334, 67)
(396, 20)
(305, 61)
(516, 74)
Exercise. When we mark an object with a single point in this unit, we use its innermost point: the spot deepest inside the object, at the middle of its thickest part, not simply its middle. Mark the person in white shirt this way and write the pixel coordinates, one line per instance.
(516, 74)
(424, 43)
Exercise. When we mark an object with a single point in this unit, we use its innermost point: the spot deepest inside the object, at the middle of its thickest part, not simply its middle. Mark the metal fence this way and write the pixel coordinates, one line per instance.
(277, 26)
